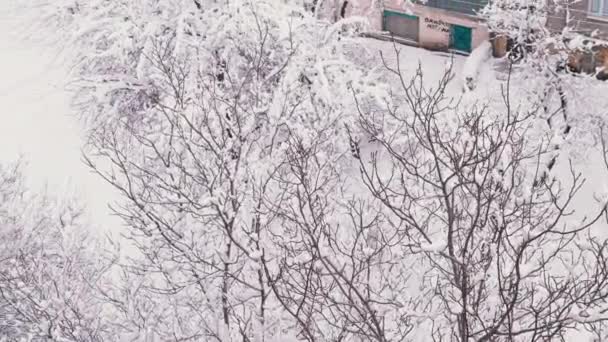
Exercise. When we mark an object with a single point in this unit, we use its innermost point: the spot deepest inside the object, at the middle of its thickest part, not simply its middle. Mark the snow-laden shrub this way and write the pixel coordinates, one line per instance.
(47, 273)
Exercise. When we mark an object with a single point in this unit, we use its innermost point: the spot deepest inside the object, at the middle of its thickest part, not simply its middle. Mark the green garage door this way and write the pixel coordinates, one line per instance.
(401, 24)
(460, 38)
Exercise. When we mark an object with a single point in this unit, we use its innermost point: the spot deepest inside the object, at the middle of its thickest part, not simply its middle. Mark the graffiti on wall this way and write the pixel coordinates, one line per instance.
(437, 25)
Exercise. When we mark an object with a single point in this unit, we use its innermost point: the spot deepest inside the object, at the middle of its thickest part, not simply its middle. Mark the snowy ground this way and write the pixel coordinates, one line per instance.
(37, 124)
(492, 78)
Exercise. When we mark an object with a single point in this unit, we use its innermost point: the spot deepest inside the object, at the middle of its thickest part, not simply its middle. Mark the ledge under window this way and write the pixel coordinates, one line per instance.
(597, 17)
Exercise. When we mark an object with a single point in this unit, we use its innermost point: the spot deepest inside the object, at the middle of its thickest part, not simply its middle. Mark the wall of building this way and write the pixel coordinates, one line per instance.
(582, 22)
(435, 25)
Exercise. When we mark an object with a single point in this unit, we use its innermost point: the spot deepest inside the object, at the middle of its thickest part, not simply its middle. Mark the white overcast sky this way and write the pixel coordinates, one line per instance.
(36, 122)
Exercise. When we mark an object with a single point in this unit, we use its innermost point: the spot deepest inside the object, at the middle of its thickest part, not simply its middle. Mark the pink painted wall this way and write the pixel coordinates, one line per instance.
(434, 30)
(435, 27)
(434, 23)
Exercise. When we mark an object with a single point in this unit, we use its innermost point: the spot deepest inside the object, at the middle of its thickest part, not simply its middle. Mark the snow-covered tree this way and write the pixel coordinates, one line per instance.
(226, 106)
(499, 255)
(336, 10)
(543, 57)
(47, 274)
(276, 188)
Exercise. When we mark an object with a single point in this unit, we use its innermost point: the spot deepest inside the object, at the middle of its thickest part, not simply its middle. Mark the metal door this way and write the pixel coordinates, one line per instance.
(460, 38)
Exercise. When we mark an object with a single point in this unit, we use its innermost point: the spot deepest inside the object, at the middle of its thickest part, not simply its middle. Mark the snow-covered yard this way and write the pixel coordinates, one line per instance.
(581, 145)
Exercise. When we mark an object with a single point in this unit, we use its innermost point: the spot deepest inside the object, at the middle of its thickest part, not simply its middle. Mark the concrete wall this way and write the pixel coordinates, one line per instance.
(435, 24)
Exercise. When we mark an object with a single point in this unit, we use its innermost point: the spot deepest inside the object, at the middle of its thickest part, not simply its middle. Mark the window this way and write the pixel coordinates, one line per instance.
(598, 7)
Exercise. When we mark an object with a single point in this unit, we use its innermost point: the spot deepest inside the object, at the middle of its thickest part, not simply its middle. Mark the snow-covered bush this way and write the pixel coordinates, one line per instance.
(47, 273)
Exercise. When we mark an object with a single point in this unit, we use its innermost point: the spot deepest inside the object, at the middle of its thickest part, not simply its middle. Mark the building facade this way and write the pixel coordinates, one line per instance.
(588, 17)
(436, 24)
(454, 25)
